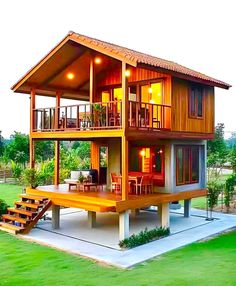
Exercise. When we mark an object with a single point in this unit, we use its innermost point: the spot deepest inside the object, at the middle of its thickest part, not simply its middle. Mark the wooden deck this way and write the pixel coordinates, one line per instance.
(103, 201)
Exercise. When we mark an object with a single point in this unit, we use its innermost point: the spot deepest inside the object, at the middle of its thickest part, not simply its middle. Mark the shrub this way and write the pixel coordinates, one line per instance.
(31, 177)
(3, 207)
(214, 189)
(144, 236)
(229, 190)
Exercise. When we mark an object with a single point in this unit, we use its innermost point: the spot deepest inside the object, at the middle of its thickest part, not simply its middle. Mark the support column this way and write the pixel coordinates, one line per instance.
(91, 80)
(135, 212)
(95, 156)
(124, 141)
(32, 127)
(163, 215)
(92, 219)
(123, 225)
(187, 208)
(55, 217)
(57, 163)
(32, 152)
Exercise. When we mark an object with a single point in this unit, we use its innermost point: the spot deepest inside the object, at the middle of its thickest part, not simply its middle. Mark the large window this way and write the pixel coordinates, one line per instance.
(196, 101)
(187, 165)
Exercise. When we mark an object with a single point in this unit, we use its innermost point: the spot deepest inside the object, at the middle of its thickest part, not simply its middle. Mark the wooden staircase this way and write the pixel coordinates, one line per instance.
(25, 214)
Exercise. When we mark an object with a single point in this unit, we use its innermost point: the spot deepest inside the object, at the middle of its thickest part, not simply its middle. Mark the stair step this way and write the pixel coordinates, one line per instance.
(21, 211)
(10, 227)
(33, 197)
(14, 218)
(28, 205)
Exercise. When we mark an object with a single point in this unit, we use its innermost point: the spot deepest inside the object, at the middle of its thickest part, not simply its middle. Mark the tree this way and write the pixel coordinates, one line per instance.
(18, 148)
(217, 150)
(232, 158)
(83, 149)
(1, 144)
(44, 150)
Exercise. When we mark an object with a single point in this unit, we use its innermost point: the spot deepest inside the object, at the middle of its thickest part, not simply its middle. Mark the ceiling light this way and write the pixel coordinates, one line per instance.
(127, 73)
(97, 60)
(70, 75)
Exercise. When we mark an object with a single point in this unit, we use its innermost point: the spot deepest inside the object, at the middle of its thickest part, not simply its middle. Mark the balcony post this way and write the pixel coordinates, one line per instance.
(124, 141)
(57, 111)
(32, 108)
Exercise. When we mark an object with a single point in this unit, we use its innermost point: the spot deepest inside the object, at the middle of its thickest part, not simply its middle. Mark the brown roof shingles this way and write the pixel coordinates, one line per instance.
(138, 57)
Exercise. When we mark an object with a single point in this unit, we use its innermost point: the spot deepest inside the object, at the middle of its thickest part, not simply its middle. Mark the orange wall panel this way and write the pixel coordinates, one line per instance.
(180, 115)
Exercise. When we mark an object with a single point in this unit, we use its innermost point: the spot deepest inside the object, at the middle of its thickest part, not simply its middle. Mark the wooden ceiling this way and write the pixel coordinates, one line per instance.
(74, 58)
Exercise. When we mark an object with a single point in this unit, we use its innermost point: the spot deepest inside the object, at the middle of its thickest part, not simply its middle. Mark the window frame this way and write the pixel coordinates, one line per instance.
(196, 89)
(185, 149)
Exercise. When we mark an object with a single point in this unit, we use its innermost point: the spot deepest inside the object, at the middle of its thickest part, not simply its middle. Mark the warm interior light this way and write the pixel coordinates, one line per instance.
(97, 60)
(151, 101)
(70, 75)
(142, 153)
(127, 73)
(150, 90)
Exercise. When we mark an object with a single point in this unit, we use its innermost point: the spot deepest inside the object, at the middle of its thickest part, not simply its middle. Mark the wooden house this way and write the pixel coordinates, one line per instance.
(153, 115)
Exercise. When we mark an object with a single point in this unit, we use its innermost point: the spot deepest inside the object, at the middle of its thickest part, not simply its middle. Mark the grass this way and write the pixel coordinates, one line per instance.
(9, 193)
(206, 263)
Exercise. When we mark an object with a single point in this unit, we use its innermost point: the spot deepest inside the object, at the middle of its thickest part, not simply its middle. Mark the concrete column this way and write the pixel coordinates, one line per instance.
(135, 212)
(163, 215)
(123, 225)
(55, 217)
(91, 219)
(187, 208)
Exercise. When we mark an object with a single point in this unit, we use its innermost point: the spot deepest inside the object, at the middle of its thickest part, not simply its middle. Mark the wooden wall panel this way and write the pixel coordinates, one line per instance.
(180, 118)
(113, 77)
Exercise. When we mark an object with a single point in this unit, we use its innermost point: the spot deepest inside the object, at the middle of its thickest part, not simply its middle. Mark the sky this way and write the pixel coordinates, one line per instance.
(197, 34)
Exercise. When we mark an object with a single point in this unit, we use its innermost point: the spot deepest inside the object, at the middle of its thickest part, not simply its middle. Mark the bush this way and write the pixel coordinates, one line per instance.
(229, 190)
(144, 236)
(3, 207)
(31, 177)
(214, 189)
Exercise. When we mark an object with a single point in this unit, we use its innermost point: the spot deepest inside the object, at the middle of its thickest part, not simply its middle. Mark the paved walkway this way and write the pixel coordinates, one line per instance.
(129, 258)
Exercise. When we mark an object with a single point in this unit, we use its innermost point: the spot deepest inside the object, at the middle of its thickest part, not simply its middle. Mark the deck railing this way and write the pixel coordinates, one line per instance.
(102, 115)
(87, 116)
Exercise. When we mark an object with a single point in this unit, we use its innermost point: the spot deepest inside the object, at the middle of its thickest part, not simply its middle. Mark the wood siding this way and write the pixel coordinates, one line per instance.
(180, 109)
(113, 77)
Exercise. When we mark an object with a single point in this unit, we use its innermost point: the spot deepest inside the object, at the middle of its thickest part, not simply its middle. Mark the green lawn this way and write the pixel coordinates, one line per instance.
(9, 193)
(207, 263)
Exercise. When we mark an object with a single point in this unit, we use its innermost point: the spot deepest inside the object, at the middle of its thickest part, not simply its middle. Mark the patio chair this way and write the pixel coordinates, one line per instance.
(116, 183)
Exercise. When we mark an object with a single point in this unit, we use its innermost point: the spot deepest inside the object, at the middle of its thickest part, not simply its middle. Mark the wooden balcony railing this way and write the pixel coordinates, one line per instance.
(102, 116)
(149, 116)
(79, 117)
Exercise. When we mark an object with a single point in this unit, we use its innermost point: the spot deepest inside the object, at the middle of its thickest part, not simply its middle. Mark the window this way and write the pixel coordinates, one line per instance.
(187, 165)
(195, 101)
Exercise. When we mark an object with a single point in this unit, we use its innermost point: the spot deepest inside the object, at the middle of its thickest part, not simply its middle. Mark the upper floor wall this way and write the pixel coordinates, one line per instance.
(192, 107)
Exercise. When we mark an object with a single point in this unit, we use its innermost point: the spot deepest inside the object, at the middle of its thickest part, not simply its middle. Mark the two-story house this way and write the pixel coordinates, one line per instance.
(153, 116)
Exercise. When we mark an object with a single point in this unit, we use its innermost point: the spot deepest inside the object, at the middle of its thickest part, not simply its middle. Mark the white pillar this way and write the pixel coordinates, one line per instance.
(163, 215)
(123, 225)
(91, 219)
(187, 208)
(55, 217)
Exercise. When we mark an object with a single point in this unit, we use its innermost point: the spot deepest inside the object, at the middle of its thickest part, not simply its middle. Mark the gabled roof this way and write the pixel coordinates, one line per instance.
(129, 56)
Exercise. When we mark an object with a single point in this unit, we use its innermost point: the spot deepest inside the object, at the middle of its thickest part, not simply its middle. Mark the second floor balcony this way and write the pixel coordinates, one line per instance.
(102, 116)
